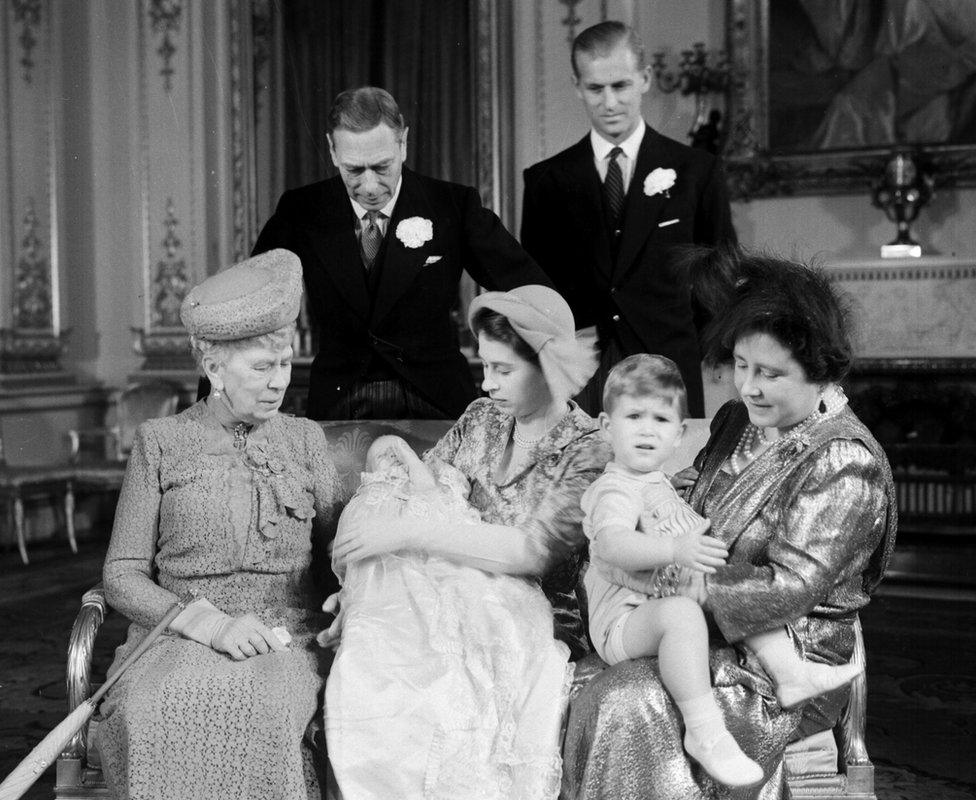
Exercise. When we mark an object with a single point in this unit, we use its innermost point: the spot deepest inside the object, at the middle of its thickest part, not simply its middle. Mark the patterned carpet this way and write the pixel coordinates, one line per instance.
(921, 683)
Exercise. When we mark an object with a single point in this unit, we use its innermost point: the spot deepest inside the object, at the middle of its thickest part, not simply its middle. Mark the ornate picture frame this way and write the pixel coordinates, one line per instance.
(756, 168)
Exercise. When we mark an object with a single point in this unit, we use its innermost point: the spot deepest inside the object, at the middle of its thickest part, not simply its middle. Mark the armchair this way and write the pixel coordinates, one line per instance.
(20, 484)
(814, 766)
(105, 468)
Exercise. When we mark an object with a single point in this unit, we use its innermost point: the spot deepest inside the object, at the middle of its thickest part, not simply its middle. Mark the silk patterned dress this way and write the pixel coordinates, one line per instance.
(543, 499)
(235, 525)
(809, 530)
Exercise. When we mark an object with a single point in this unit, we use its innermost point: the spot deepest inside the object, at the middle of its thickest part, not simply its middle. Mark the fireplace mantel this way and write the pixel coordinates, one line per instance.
(917, 314)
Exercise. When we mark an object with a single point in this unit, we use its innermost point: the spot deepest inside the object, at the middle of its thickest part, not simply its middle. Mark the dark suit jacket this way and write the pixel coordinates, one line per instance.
(404, 317)
(636, 295)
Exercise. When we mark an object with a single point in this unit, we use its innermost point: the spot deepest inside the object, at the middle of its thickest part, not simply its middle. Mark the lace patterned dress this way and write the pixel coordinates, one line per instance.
(235, 525)
(448, 682)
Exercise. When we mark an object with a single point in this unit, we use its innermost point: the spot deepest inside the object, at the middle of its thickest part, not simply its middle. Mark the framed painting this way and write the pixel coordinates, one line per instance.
(823, 91)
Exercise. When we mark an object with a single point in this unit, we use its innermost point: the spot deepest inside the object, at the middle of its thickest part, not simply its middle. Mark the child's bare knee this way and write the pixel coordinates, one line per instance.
(683, 609)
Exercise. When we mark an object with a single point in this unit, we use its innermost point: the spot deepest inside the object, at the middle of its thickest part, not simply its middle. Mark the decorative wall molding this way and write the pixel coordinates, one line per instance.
(951, 368)
(540, 80)
(31, 354)
(32, 278)
(487, 102)
(262, 52)
(242, 123)
(943, 272)
(170, 282)
(175, 121)
(28, 14)
(31, 335)
(166, 17)
(572, 19)
(911, 311)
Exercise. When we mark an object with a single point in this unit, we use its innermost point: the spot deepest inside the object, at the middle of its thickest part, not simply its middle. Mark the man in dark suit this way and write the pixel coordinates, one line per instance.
(603, 217)
(382, 250)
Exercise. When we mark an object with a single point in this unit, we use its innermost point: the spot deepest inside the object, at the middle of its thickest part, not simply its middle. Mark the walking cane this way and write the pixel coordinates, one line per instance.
(27, 772)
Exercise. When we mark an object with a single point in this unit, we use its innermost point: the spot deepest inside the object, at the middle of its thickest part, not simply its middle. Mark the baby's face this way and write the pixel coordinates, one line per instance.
(643, 431)
(383, 455)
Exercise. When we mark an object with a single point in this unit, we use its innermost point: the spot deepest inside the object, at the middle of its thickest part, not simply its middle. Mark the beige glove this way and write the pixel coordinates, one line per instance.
(239, 637)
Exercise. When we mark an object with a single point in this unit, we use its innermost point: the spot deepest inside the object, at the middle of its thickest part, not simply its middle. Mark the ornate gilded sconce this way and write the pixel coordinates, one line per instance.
(901, 192)
(696, 76)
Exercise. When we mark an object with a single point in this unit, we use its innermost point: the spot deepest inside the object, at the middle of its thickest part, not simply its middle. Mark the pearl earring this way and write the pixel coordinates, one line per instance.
(215, 393)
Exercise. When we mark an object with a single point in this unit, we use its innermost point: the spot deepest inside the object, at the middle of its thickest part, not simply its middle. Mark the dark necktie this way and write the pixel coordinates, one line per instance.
(613, 185)
(371, 238)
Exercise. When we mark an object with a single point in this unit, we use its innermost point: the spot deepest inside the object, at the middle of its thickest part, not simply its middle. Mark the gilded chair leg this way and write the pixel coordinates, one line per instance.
(19, 527)
(69, 516)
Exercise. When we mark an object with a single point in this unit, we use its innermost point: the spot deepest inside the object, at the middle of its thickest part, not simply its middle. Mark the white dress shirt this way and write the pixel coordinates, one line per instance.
(387, 211)
(627, 160)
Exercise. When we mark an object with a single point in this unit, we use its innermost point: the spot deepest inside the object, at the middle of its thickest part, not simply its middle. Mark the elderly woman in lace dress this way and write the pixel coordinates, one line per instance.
(801, 493)
(221, 500)
(528, 453)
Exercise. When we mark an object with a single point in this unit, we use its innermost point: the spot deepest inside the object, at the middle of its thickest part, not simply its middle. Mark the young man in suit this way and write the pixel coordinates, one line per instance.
(603, 218)
(382, 250)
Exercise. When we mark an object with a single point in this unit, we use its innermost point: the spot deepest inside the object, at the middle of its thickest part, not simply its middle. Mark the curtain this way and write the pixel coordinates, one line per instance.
(421, 51)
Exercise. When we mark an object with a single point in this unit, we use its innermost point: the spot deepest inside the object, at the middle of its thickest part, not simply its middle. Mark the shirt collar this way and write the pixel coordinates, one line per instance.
(386, 211)
(657, 476)
(630, 145)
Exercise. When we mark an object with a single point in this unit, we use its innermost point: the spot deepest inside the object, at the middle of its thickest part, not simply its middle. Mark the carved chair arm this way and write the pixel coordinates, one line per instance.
(854, 717)
(112, 436)
(80, 648)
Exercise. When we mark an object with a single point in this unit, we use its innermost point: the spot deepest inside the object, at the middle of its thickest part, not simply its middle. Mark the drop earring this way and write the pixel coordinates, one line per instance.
(215, 393)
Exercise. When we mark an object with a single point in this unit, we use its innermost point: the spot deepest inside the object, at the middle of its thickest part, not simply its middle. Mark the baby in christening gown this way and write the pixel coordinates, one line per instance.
(447, 682)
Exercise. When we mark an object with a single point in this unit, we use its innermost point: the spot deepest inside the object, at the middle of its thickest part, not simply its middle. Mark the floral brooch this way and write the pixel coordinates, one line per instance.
(415, 232)
(659, 180)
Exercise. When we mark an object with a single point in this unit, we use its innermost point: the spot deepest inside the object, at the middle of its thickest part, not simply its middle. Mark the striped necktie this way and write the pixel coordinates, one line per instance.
(613, 186)
(370, 238)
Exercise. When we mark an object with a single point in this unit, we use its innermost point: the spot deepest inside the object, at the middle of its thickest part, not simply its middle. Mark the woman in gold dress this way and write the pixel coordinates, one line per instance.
(221, 499)
(802, 495)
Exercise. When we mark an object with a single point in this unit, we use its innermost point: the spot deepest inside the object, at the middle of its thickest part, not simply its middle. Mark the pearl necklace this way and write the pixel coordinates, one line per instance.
(524, 441)
(752, 436)
(745, 451)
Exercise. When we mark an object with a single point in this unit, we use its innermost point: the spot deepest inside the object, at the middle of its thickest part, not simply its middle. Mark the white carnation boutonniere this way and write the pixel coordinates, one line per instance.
(659, 180)
(415, 232)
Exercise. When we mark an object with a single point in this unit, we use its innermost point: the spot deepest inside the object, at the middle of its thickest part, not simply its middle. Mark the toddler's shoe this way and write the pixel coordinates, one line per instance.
(724, 760)
(815, 680)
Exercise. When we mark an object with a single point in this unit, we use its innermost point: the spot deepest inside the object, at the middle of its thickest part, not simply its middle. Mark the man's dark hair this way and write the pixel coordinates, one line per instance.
(603, 37)
(360, 110)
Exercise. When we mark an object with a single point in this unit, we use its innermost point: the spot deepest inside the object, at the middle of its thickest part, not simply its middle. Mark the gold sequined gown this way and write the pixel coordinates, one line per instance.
(809, 531)
(196, 512)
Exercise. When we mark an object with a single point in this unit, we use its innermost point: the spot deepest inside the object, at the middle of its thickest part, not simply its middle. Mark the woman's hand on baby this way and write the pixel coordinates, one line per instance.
(369, 535)
(245, 636)
(684, 479)
(699, 552)
(330, 636)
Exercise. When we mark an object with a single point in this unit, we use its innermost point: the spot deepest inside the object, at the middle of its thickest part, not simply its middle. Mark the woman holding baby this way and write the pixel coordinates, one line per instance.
(221, 500)
(527, 453)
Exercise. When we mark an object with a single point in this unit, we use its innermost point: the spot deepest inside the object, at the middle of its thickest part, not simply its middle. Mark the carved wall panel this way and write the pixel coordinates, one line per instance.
(174, 58)
(31, 333)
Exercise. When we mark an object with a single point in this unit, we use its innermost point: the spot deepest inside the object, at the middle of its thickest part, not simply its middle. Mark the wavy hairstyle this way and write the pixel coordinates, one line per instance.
(793, 302)
(221, 351)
